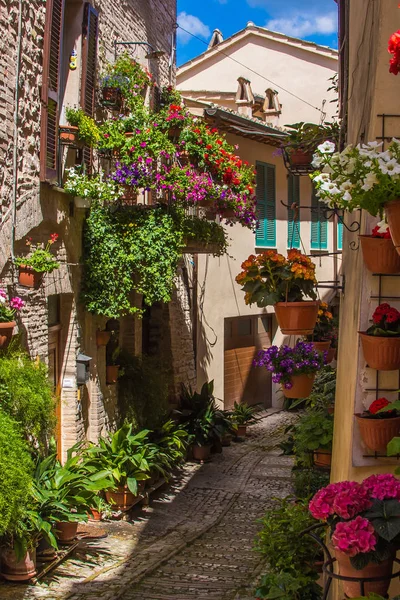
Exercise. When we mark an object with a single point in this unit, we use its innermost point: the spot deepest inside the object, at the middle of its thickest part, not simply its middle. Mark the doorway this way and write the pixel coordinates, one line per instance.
(54, 360)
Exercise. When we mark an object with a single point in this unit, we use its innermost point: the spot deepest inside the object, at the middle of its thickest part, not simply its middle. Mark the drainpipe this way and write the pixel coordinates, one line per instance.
(15, 149)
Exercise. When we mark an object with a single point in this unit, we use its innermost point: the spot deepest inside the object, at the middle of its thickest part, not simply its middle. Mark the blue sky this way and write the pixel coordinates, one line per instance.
(314, 20)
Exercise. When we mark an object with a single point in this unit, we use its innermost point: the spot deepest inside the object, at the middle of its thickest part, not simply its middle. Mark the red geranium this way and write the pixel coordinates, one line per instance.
(394, 48)
(386, 321)
(377, 405)
(379, 234)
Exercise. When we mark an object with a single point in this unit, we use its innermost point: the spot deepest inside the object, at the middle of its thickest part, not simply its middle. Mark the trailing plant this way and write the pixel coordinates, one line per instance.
(128, 76)
(269, 278)
(130, 250)
(9, 307)
(205, 231)
(26, 395)
(95, 187)
(41, 259)
(306, 136)
(88, 131)
(386, 322)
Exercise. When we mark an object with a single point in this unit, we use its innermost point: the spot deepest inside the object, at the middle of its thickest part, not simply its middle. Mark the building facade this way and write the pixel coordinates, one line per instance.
(251, 85)
(53, 53)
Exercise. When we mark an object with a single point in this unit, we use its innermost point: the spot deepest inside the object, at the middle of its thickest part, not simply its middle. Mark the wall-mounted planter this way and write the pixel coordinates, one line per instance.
(380, 255)
(174, 132)
(28, 277)
(129, 196)
(6, 331)
(68, 135)
(297, 318)
(81, 202)
(199, 247)
(112, 372)
(381, 353)
(392, 210)
(301, 386)
(352, 589)
(102, 337)
(322, 458)
(377, 433)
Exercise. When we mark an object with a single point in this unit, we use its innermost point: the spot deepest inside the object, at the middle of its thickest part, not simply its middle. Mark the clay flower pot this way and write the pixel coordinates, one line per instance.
(241, 430)
(297, 318)
(302, 386)
(68, 135)
(28, 277)
(122, 498)
(377, 433)
(300, 158)
(392, 210)
(322, 458)
(321, 346)
(6, 331)
(380, 255)
(201, 453)
(352, 589)
(66, 531)
(94, 515)
(330, 355)
(112, 373)
(13, 569)
(381, 353)
(102, 337)
(111, 97)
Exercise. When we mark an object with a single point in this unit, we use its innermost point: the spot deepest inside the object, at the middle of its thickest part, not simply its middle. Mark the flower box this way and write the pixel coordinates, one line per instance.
(200, 247)
(68, 135)
(28, 277)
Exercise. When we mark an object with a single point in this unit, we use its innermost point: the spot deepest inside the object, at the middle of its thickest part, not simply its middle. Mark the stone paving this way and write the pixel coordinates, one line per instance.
(195, 540)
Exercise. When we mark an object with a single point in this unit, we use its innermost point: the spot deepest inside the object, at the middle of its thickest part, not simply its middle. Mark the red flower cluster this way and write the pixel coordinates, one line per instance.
(385, 313)
(53, 238)
(377, 405)
(394, 48)
(378, 234)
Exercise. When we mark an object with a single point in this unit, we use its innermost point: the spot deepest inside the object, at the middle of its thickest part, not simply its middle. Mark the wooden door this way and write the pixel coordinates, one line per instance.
(244, 337)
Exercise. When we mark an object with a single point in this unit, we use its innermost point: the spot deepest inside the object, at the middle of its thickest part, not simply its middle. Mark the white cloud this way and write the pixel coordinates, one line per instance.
(193, 25)
(300, 25)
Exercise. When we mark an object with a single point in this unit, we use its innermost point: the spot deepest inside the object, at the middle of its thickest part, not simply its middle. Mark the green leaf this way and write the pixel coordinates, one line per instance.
(132, 485)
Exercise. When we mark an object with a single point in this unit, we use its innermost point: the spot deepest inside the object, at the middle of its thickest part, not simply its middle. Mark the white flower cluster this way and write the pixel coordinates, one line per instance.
(96, 187)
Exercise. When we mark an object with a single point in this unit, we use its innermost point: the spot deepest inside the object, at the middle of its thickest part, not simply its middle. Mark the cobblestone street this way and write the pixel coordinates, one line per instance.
(193, 542)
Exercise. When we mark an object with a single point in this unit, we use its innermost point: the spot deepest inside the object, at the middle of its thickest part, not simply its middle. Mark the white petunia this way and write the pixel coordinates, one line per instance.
(330, 187)
(322, 177)
(369, 181)
(392, 167)
(347, 196)
(346, 186)
(317, 161)
(327, 147)
(382, 226)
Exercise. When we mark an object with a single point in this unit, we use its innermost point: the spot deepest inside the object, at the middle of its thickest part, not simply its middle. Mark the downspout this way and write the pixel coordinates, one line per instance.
(15, 134)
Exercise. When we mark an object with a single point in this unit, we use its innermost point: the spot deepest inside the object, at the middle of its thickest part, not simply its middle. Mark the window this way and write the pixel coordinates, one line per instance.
(293, 217)
(266, 205)
(340, 235)
(89, 63)
(319, 224)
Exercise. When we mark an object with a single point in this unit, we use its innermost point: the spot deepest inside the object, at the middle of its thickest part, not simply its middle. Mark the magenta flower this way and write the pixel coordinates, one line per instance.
(354, 537)
(382, 486)
(351, 498)
(321, 505)
(17, 303)
(3, 294)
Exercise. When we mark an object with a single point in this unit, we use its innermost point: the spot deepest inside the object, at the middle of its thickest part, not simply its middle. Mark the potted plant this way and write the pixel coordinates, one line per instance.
(112, 368)
(381, 341)
(313, 435)
(8, 310)
(379, 254)
(294, 368)
(303, 138)
(204, 237)
(363, 521)
(320, 337)
(270, 279)
(88, 131)
(242, 416)
(123, 454)
(377, 426)
(127, 79)
(102, 337)
(40, 260)
(363, 177)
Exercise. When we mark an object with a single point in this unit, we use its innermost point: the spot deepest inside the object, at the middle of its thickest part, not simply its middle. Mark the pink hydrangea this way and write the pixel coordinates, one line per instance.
(354, 537)
(382, 486)
(321, 505)
(17, 303)
(345, 499)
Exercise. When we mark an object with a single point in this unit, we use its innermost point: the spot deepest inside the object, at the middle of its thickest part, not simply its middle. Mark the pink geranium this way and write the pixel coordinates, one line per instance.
(382, 486)
(354, 537)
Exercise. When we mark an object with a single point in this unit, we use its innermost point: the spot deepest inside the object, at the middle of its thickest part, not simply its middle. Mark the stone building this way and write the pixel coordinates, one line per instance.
(52, 54)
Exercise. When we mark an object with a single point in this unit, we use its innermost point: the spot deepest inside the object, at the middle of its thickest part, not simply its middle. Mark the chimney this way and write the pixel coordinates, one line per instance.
(244, 98)
(216, 38)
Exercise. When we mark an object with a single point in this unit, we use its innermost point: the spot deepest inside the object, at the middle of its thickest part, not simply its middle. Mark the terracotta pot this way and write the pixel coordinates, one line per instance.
(102, 337)
(112, 96)
(377, 433)
(28, 277)
(297, 318)
(45, 551)
(201, 453)
(352, 589)
(321, 346)
(381, 353)
(122, 498)
(302, 386)
(322, 458)
(380, 255)
(66, 531)
(392, 210)
(68, 135)
(94, 515)
(13, 569)
(174, 132)
(112, 373)
(241, 430)
(330, 355)
(300, 158)
(226, 440)
(129, 196)
(6, 331)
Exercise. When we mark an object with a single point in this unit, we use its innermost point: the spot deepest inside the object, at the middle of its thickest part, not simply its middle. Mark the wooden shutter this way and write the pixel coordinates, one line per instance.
(319, 224)
(89, 63)
(266, 205)
(293, 240)
(50, 89)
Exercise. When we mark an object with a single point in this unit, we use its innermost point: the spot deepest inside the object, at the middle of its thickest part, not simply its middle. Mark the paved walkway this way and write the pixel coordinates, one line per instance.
(195, 540)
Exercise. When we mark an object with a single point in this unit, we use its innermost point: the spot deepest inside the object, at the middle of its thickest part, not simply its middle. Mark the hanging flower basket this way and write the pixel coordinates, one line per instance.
(322, 458)
(6, 331)
(322, 346)
(331, 354)
(200, 247)
(352, 589)
(112, 374)
(112, 97)
(299, 158)
(381, 353)
(28, 277)
(68, 135)
(297, 318)
(377, 433)
(301, 386)
(13, 569)
(392, 210)
(380, 255)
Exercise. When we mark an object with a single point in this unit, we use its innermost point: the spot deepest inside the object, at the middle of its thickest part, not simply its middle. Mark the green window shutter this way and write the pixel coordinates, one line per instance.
(340, 235)
(293, 240)
(319, 224)
(266, 205)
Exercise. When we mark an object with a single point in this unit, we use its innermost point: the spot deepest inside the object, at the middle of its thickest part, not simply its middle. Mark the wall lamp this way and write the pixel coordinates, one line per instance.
(151, 54)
